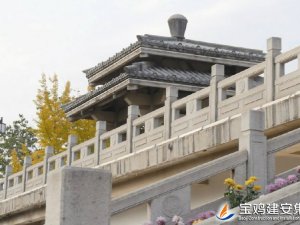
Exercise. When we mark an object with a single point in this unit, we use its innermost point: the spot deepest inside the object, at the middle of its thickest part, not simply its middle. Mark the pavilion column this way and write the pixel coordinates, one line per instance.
(217, 74)
(133, 113)
(253, 140)
(78, 196)
(171, 96)
(273, 50)
(101, 128)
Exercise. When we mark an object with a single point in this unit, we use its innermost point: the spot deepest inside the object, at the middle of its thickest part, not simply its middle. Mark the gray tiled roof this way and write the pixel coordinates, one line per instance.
(150, 73)
(185, 46)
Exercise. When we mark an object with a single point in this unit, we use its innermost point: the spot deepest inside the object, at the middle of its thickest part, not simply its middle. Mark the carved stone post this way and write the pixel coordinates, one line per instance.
(133, 113)
(49, 151)
(72, 141)
(100, 129)
(171, 96)
(8, 172)
(27, 163)
(217, 74)
(274, 49)
(253, 140)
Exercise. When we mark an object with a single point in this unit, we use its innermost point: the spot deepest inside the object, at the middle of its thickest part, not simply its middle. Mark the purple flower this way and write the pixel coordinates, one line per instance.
(280, 182)
(176, 219)
(292, 179)
(161, 220)
(272, 187)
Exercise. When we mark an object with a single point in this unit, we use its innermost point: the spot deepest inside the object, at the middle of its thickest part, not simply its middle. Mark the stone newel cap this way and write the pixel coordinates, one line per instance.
(177, 24)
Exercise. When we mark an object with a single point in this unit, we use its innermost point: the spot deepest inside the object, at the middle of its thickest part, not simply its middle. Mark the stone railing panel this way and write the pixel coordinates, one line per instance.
(196, 109)
(84, 154)
(148, 129)
(34, 176)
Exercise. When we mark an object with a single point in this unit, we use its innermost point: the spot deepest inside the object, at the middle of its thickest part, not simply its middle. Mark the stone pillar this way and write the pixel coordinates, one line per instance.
(171, 96)
(72, 141)
(133, 113)
(174, 203)
(253, 140)
(273, 50)
(8, 172)
(78, 196)
(27, 163)
(49, 151)
(100, 129)
(217, 74)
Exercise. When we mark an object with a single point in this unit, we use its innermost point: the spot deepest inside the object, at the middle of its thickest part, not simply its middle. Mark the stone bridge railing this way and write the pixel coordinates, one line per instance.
(211, 115)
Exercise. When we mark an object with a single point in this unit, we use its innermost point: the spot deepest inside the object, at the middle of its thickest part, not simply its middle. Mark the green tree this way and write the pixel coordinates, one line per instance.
(16, 136)
(53, 126)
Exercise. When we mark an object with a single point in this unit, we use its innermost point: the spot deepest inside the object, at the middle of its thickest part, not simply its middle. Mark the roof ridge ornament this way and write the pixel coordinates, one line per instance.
(177, 24)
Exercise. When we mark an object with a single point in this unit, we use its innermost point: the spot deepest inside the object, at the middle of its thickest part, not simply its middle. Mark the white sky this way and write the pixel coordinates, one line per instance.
(68, 36)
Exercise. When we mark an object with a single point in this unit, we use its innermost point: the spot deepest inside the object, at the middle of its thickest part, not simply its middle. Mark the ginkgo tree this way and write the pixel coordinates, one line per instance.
(53, 126)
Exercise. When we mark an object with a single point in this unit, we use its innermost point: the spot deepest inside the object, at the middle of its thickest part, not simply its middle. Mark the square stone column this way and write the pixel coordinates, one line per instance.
(171, 96)
(27, 163)
(78, 196)
(217, 74)
(253, 140)
(72, 141)
(133, 113)
(101, 128)
(273, 50)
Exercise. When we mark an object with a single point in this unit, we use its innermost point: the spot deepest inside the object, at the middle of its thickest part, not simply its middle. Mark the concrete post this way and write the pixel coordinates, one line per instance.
(253, 140)
(8, 172)
(72, 141)
(133, 113)
(171, 96)
(100, 129)
(27, 163)
(174, 203)
(78, 196)
(49, 151)
(217, 74)
(273, 50)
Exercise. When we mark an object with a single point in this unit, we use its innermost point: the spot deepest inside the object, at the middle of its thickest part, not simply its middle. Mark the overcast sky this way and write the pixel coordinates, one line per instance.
(68, 36)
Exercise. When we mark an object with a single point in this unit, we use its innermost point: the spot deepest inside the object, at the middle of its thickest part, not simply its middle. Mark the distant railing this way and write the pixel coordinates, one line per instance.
(198, 121)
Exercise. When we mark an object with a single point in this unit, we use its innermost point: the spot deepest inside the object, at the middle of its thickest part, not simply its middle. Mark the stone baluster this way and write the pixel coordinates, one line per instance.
(101, 128)
(49, 151)
(72, 141)
(26, 164)
(273, 50)
(133, 113)
(217, 74)
(171, 96)
(8, 172)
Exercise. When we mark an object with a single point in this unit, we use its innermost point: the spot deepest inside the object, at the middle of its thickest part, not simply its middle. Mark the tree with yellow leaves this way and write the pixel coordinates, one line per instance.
(53, 127)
